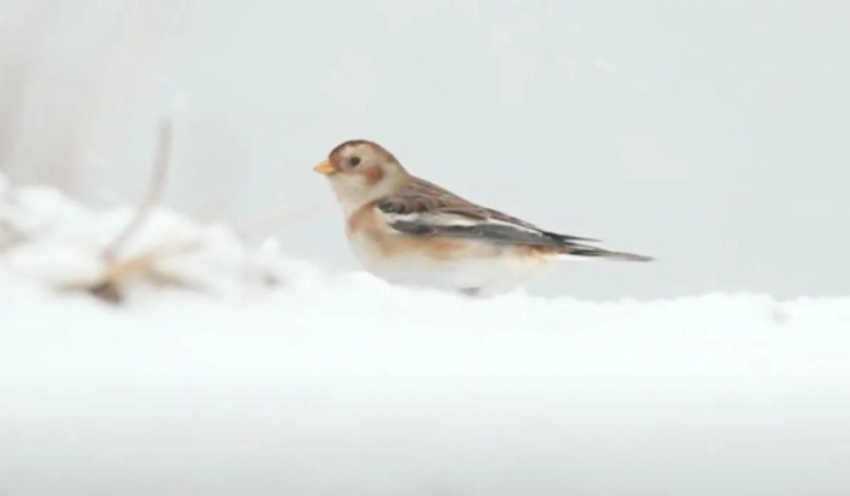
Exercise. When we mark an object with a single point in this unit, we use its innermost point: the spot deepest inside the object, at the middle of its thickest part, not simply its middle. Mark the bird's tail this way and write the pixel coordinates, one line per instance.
(584, 252)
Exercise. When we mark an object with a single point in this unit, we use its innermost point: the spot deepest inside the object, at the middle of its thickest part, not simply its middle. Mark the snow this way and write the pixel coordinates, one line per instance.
(238, 370)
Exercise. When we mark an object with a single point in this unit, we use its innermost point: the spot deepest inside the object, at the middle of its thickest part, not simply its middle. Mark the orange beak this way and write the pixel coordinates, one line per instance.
(326, 168)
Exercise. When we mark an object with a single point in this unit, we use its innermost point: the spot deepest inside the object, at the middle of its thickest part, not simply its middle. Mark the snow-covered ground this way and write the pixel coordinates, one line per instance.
(233, 369)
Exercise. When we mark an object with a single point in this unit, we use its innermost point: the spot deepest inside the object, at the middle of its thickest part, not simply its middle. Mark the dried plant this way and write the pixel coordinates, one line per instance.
(120, 269)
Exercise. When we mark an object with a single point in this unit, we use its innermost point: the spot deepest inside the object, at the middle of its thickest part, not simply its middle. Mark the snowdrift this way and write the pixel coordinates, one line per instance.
(222, 368)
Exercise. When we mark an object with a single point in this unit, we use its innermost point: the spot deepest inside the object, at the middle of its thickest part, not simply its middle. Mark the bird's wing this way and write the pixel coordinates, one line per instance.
(425, 209)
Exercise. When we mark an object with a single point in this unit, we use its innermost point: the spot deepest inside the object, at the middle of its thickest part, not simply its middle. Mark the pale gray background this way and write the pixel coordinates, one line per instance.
(713, 135)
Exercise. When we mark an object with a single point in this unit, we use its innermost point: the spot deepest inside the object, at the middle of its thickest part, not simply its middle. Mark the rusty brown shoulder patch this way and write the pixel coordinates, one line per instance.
(367, 222)
(363, 219)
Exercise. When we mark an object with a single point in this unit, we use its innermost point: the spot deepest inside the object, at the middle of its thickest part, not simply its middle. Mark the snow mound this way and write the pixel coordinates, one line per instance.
(230, 369)
(50, 243)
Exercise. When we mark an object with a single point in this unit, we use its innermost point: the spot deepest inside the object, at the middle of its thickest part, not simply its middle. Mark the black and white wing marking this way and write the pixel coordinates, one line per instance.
(424, 209)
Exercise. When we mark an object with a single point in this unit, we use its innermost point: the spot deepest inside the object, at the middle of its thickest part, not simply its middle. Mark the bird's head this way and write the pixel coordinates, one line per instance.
(362, 171)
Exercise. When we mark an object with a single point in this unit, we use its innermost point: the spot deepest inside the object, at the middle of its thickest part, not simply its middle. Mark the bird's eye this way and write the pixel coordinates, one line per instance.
(354, 161)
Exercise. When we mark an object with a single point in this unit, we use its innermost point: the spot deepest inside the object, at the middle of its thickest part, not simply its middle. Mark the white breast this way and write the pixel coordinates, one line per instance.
(491, 271)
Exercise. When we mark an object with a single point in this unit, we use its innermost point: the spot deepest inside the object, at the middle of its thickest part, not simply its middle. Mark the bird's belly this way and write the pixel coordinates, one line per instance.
(485, 270)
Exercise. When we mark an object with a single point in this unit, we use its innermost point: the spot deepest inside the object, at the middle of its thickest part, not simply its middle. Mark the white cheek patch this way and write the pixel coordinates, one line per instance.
(354, 191)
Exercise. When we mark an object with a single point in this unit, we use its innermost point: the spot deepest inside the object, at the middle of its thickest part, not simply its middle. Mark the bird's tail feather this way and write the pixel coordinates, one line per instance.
(583, 252)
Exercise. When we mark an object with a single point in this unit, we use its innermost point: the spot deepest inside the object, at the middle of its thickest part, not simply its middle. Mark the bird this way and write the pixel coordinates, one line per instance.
(409, 231)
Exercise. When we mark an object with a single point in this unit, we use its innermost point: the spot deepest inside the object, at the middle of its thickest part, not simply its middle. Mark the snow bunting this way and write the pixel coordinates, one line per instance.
(411, 232)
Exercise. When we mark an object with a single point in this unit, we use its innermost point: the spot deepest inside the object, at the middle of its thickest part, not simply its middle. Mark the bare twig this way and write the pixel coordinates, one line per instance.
(153, 194)
(108, 287)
